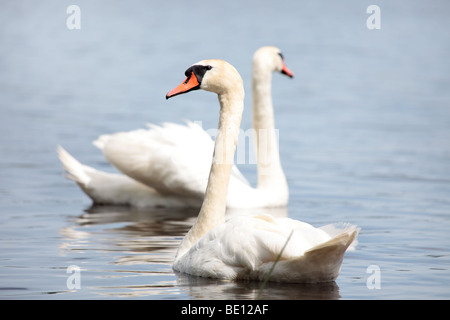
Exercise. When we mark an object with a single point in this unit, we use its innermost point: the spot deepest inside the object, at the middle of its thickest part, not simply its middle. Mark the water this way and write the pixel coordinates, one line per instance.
(364, 138)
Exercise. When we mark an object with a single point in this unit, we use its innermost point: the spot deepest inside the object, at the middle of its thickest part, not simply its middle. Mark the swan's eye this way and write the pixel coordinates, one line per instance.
(208, 67)
(281, 55)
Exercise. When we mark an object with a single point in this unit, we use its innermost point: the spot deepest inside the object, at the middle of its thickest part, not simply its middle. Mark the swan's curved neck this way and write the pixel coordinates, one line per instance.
(270, 172)
(212, 212)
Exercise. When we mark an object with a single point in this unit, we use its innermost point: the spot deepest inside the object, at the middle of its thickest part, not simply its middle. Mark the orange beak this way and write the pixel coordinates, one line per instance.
(191, 83)
(286, 71)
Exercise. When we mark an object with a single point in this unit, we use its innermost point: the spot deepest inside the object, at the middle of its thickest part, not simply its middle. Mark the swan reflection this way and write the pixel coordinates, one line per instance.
(129, 253)
(204, 288)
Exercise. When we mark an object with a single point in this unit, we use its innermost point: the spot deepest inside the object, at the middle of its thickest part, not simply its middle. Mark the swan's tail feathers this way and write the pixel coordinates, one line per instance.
(101, 141)
(75, 170)
(337, 229)
(339, 243)
(326, 258)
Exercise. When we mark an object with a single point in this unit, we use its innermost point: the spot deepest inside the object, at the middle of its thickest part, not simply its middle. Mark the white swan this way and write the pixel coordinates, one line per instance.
(168, 165)
(246, 247)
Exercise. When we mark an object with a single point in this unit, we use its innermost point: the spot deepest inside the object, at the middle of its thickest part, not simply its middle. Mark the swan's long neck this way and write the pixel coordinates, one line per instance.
(270, 173)
(212, 212)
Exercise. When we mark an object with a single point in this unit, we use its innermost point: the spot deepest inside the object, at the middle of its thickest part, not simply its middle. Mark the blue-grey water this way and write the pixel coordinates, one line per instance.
(364, 132)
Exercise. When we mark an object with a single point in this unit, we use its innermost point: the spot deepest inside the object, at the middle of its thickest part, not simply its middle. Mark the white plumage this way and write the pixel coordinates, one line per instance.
(246, 248)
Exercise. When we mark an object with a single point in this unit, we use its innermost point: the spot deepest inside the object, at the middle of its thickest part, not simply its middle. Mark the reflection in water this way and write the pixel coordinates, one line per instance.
(130, 253)
(203, 288)
(151, 216)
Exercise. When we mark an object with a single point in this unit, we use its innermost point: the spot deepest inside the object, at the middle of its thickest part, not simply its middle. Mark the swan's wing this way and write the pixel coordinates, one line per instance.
(247, 247)
(172, 158)
(287, 236)
(246, 243)
(105, 187)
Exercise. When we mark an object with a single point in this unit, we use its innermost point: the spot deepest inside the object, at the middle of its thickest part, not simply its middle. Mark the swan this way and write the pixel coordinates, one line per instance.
(168, 165)
(246, 247)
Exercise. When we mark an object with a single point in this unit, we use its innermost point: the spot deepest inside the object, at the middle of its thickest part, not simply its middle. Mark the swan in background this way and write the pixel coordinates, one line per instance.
(168, 165)
(246, 247)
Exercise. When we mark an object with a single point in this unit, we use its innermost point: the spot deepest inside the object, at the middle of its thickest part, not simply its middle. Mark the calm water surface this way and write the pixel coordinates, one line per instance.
(364, 138)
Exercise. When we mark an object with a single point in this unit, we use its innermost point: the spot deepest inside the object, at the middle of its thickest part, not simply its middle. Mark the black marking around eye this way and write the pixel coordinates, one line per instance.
(281, 55)
(199, 72)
